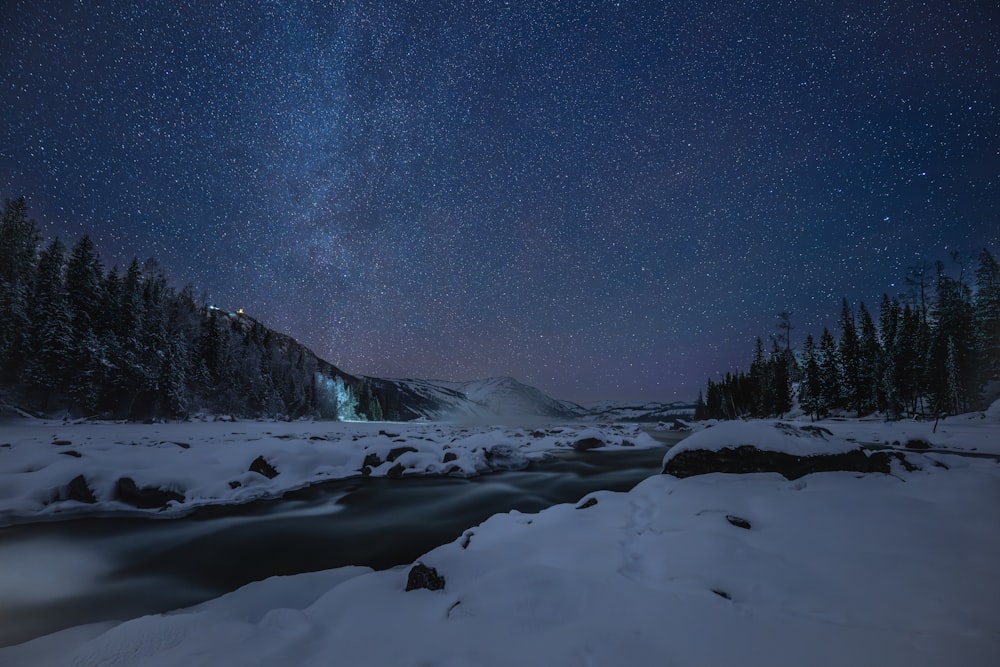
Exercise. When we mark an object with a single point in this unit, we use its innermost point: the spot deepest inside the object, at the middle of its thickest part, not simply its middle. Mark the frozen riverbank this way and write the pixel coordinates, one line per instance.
(833, 568)
(52, 470)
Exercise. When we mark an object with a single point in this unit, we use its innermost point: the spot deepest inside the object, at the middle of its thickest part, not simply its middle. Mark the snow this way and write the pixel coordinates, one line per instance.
(774, 436)
(835, 569)
(209, 462)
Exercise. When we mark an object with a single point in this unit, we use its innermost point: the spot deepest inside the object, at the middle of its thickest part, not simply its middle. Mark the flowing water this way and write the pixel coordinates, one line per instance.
(56, 575)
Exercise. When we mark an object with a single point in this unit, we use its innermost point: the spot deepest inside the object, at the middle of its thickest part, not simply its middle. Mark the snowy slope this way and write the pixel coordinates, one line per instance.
(832, 569)
(498, 400)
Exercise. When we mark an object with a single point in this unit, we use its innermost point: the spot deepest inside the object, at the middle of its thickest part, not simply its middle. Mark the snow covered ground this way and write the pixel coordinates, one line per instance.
(834, 568)
(186, 465)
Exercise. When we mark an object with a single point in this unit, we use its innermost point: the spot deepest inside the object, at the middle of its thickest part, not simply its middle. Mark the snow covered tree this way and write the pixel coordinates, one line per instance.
(19, 239)
(84, 283)
(51, 336)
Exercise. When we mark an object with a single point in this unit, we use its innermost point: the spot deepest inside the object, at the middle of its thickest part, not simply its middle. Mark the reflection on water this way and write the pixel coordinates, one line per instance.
(102, 569)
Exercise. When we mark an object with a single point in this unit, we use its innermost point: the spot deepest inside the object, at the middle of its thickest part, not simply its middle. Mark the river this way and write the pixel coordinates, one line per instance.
(55, 575)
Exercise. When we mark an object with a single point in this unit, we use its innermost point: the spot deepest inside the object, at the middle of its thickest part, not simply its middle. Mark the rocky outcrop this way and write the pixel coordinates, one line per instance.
(396, 452)
(79, 490)
(144, 497)
(749, 459)
(421, 576)
(261, 466)
(584, 444)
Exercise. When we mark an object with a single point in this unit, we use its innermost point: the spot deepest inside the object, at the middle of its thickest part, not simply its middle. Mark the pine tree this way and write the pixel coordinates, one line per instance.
(870, 398)
(850, 360)
(889, 334)
(954, 326)
(779, 379)
(812, 382)
(51, 328)
(84, 283)
(19, 239)
(700, 407)
(829, 364)
(987, 315)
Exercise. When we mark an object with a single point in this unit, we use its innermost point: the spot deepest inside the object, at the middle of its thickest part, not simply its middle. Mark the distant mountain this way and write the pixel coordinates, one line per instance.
(493, 399)
(639, 412)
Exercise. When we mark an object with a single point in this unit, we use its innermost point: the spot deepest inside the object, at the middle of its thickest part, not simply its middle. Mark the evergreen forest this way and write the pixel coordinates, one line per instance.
(933, 353)
(80, 340)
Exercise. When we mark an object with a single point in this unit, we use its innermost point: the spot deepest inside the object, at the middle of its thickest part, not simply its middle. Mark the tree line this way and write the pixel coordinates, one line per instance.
(930, 354)
(125, 344)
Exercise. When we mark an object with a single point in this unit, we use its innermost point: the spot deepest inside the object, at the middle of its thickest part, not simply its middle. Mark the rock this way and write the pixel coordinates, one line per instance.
(396, 452)
(422, 576)
(589, 503)
(820, 431)
(388, 435)
(587, 443)
(72, 452)
(722, 594)
(372, 460)
(62, 443)
(738, 522)
(749, 459)
(917, 443)
(395, 472)
(235, 484)
(145, 497)
(79, 490)
(449, 457)
(506, 457)
(262, 467)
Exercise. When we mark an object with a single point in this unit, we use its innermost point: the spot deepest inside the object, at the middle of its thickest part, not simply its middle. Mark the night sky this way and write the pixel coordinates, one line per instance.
(603, 199)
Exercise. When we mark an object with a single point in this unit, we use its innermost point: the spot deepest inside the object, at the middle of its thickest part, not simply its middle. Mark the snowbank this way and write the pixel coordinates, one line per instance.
(56, 470)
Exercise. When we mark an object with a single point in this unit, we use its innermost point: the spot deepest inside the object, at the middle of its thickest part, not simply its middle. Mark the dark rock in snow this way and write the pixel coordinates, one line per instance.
(738, 522)
(589, 503)
(235, 484)
(62, 443)
(587, 443)
(749, 459)
(395, 472)
(372, 460)
(145, 497)
(917, 443)
(79, 490)
(506, 457)
(449, 457)
(722, 594)
(396, 452)
(72, 452)
(422, 576)
(262, 467)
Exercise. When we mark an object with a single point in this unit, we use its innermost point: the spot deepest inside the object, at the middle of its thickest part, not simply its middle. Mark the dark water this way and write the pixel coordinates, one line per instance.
(56, 575)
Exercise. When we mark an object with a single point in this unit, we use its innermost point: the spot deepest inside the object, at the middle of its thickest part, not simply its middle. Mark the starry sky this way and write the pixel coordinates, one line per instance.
(607, 200)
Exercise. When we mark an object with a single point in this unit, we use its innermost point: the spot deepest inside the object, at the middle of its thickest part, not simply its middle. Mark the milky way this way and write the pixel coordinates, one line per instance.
(605, 200)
